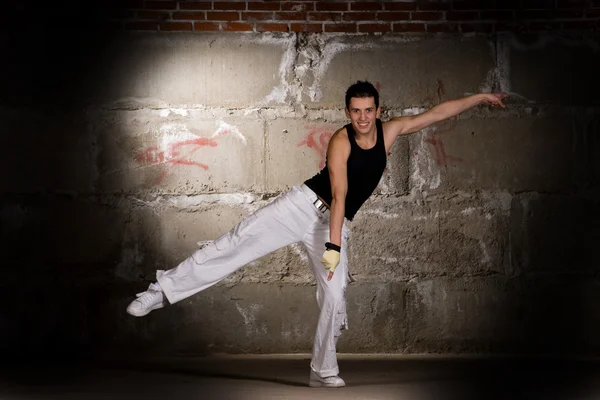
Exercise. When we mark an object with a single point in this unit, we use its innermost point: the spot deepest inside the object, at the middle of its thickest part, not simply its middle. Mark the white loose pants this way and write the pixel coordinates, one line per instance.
(291, 218)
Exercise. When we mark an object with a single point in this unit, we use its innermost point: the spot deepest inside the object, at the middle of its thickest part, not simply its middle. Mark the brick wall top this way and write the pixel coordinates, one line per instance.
(443, 16)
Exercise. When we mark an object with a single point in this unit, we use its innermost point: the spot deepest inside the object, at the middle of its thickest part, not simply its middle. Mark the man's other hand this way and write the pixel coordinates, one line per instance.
(330, 260)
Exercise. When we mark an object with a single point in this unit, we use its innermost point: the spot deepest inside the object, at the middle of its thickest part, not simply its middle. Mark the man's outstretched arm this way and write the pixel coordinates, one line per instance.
(448, 109)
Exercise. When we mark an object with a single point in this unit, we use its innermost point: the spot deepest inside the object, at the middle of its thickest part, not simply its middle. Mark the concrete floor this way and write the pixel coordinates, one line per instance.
(286, 377)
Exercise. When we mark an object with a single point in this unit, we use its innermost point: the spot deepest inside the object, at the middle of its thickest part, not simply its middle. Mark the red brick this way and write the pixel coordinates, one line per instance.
(592, 14)
(393, 16)
(498, 15)
(507, 5)
(289, 16)
(426, 16)
(260, 6)
(257, 16)
(141, 26)
(373, 28)
(351, 28)
(131, 3)
(186, 5)
(537, 4)
(572, 3)
(296, 6)
(581, 25)
(433, 5)
(359, 16)
(486, 4)
(155, 15)
(402, 27)
(122, 14)
(230, 5)
(394, 6)
(596, 3)
(306, 27)
(222, 16)
(324, 16)
(113, 25)
(549, 14)
(484, 28)
(327, 6)
(468, 4)
(272, 28)
(160, 5)
(510, 26)
(27, 18)
(195, 15)
(543, 26)
(206, 26)
(445, 28)
(462, 15)
(176, 26)
(236, 27)
(473, 4)
(364, 6)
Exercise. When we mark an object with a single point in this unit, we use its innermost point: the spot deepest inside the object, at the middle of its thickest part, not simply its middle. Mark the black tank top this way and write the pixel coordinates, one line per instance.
(364, 169)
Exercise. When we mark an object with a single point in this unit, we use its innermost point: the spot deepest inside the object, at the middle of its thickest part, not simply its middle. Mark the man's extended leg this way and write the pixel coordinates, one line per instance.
(282, 222)
(332, 304)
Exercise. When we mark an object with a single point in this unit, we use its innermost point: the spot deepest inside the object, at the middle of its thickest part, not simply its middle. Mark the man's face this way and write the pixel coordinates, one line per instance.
(363, 113)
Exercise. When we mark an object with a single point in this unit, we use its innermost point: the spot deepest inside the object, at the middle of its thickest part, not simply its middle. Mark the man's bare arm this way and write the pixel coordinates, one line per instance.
(338, 152)
(448, 109)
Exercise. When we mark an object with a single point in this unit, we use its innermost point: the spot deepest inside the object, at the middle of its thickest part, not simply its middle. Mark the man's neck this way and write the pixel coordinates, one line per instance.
(366, 140)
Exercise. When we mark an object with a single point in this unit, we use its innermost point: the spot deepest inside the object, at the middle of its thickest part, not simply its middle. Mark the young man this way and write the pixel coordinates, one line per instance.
(314, 213)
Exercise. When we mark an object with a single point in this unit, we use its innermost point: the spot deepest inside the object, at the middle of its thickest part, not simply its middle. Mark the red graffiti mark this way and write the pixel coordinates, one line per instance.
(317, 139)
(378, 86)
(441, 91)
(441, 158)
(173, 155)
(436, 98)
(189, 162)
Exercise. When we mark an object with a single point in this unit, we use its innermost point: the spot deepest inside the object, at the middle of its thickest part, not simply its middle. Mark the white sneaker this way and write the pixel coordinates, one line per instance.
(151, 299)
(329, 382)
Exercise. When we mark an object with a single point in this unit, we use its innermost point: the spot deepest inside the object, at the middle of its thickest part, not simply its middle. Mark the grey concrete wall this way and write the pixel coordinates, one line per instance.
(480, 238)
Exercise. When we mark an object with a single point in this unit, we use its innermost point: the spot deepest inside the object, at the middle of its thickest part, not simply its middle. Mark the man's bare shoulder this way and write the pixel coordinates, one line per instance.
(340, 137)
(394, 122)
(339, 144)
(396, 126)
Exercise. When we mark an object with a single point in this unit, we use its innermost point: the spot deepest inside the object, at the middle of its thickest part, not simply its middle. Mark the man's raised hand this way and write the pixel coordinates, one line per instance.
(494, 99)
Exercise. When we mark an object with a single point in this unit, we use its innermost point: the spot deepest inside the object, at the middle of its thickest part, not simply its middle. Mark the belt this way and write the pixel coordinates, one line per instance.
(317, 202)
(321, 206)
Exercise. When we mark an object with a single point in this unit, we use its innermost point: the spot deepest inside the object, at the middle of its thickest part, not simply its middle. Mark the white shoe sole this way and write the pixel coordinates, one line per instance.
(318, 384)
(145, 312)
